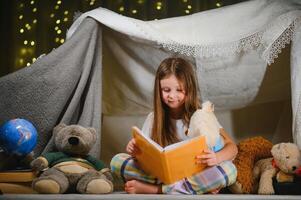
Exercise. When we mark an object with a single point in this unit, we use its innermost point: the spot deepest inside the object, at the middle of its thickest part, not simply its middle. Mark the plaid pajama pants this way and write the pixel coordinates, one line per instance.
(216, 177)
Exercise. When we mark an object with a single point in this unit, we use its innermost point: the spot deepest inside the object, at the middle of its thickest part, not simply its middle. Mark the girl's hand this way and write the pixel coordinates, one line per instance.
(131, 148)
(209, 158)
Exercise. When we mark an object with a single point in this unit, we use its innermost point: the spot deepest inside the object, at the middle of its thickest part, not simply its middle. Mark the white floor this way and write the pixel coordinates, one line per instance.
(145, 197)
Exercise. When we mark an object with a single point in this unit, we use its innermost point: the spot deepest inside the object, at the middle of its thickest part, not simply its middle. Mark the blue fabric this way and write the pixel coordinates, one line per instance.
(219, 145)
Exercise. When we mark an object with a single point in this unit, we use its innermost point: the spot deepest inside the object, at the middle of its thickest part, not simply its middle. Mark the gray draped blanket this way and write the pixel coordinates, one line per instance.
(63, 86)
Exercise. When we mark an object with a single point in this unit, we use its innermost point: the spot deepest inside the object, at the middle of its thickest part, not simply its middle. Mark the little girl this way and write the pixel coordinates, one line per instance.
(175, 100)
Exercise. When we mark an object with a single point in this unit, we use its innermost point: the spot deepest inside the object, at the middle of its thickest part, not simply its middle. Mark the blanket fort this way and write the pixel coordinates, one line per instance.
(107, 65)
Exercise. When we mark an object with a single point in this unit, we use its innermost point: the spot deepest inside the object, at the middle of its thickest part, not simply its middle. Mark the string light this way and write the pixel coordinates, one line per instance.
(121, 8)
(92, 2)
(187, 7)
(26, 50)
(28, 26)
(23, 51)
(159, 5)
(27, 21)
(21, 61)
(59, 22)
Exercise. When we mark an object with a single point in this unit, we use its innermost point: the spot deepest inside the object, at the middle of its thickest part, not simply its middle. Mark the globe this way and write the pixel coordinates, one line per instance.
(18, 137)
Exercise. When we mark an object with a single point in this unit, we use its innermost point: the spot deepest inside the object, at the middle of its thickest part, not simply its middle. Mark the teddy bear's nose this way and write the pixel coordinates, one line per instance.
(294, 168)
(73, 140)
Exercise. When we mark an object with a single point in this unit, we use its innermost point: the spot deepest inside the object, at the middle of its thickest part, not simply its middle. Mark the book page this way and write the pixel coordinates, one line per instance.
(149, 140)
(150, 157)
(178, 144)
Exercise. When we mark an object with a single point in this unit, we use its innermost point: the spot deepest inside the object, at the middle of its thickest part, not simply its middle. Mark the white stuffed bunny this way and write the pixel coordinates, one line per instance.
(204, 122)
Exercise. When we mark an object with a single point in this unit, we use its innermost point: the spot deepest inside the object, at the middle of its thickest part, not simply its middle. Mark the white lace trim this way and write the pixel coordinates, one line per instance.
(284, 39)
(248, 43)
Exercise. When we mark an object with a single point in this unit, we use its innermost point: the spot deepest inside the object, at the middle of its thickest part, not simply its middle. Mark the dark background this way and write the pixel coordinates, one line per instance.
(30, 28)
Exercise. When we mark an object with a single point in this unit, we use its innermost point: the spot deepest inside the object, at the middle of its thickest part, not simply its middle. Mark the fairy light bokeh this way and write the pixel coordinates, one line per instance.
(37, 27)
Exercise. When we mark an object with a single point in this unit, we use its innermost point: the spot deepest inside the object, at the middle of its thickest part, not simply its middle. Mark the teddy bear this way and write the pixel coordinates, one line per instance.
(70, 168)
(204, 122)
(250, 150)
(283, 164)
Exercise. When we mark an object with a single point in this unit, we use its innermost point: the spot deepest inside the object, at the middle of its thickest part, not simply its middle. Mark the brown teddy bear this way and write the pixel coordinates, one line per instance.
(285, 161)
(71, 168)
(249, 151)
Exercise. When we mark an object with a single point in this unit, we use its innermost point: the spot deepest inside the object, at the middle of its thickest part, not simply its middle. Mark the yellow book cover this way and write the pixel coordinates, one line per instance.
(16, 188)
(171, 163)
(17, 176)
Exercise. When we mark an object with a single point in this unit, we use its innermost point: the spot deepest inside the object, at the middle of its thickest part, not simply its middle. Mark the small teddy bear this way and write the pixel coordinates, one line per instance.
(285, 161)
(71, 168)
(204, 122)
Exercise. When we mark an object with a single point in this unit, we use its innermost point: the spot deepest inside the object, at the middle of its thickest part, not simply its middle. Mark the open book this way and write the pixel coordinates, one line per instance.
(171, 163)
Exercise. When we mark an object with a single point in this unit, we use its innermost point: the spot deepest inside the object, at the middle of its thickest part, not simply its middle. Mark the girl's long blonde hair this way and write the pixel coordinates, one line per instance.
(163, 131)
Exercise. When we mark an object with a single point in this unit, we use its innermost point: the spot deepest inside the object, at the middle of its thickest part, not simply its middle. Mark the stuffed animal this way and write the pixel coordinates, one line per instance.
(249, 151)
(204, 122)
(71, 168)
(285, 161)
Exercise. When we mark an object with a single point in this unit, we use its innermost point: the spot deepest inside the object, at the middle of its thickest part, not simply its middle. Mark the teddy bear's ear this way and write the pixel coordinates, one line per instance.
(58, 128)
(277, 148)
(208, 106)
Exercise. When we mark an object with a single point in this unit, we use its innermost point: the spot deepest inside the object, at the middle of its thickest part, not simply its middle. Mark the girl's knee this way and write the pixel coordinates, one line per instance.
(230, 172)
(117, 161)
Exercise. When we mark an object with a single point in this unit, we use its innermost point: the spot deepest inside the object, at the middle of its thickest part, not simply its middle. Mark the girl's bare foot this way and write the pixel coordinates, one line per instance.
(216, 191)
(138, 187)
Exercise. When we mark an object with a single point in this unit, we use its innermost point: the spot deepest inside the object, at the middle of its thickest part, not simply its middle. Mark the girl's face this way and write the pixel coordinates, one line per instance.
(172, 91)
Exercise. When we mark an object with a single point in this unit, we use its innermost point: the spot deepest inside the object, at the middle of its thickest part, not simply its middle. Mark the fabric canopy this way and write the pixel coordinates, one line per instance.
(230, 48)
(112, 63)
(63, 86)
